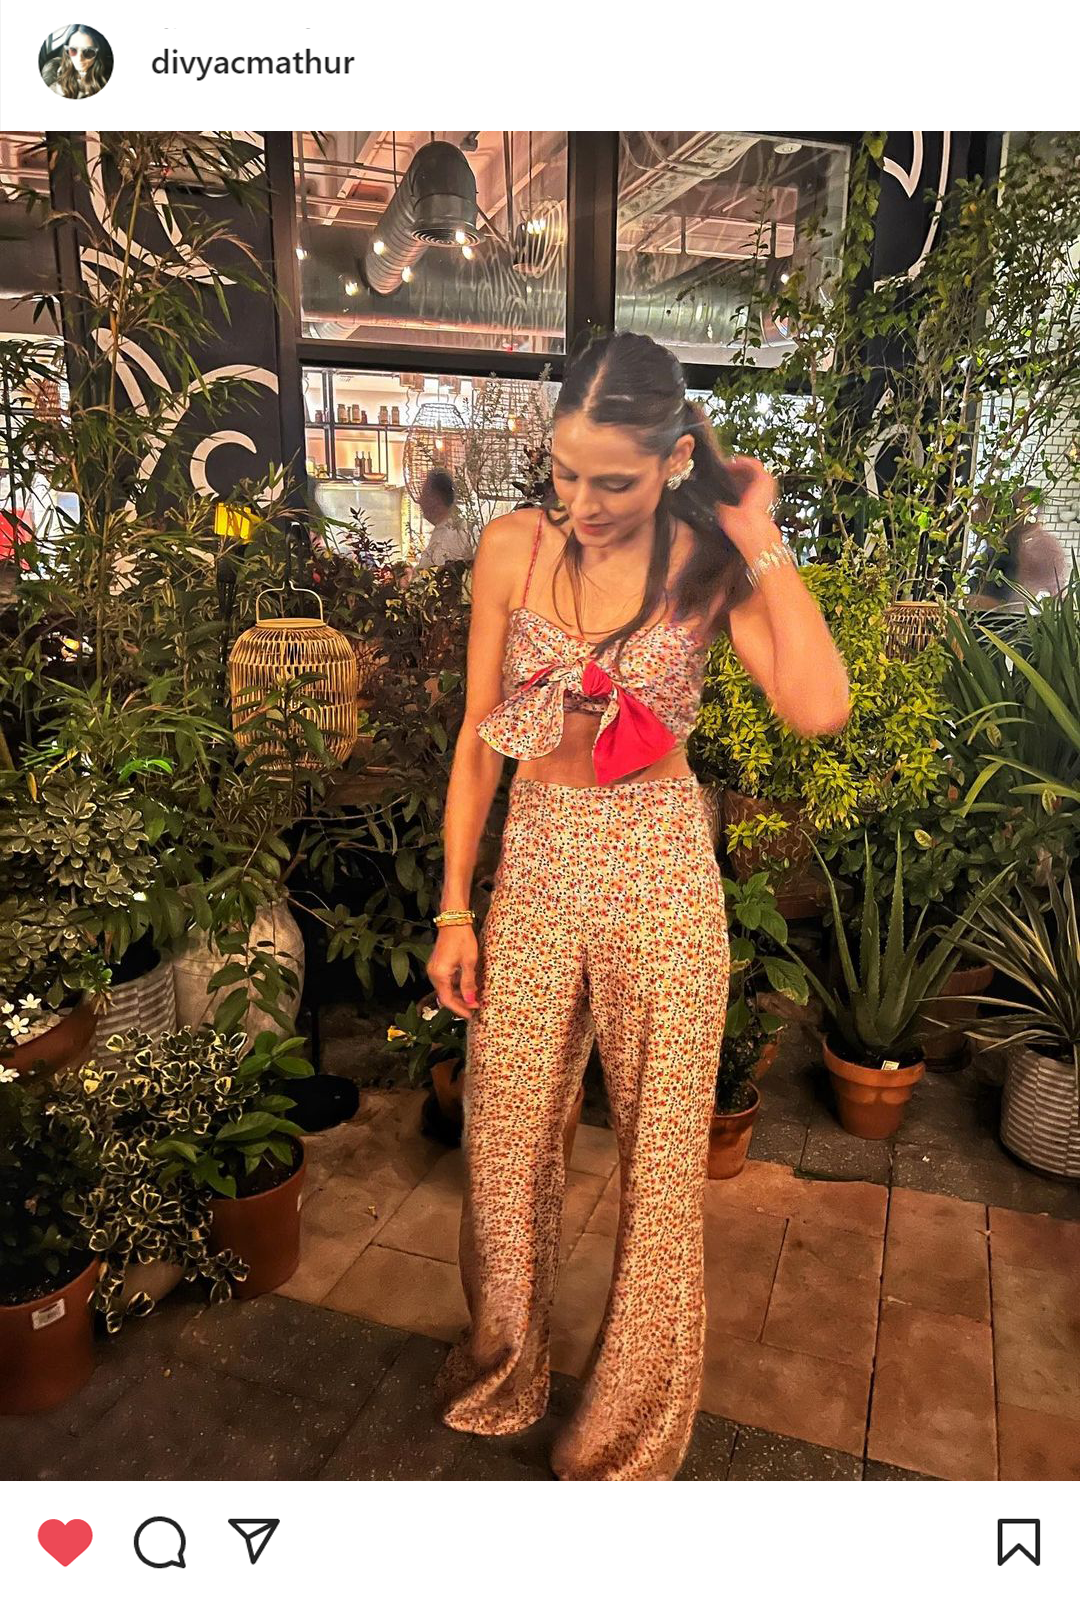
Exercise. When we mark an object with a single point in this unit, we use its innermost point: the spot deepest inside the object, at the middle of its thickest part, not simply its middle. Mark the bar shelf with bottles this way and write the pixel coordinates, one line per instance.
(344, 442)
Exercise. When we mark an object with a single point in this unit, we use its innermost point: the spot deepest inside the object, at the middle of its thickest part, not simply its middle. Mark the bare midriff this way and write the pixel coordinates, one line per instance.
(572, 762)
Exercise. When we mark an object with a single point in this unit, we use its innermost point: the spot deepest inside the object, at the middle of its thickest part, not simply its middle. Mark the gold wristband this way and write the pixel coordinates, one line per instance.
(449, 919)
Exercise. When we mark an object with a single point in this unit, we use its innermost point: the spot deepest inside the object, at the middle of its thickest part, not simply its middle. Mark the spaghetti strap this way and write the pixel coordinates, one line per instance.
(532, 563)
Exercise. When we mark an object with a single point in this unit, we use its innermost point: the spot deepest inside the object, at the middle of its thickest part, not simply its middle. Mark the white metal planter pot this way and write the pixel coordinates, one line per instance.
(274, 932)
(1040, 1114)
(147, 1003)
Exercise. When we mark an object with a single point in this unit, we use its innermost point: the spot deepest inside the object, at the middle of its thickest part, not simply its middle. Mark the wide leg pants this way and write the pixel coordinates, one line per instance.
(606, 919)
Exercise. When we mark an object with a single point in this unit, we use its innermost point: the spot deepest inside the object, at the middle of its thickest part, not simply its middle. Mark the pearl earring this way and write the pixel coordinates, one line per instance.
(677, 479)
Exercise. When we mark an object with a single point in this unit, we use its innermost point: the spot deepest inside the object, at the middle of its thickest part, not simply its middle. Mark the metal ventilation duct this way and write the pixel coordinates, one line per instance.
(434, 204)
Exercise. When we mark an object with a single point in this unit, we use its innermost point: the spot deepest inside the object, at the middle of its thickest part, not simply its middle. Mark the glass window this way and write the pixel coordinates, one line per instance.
(457, 241)
(374, 439)
(708, 221)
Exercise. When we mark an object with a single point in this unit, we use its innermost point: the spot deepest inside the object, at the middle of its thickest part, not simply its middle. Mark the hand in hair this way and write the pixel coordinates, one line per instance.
(757, 495)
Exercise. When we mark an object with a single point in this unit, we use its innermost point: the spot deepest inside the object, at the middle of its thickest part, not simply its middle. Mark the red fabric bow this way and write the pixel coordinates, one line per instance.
(634, 738)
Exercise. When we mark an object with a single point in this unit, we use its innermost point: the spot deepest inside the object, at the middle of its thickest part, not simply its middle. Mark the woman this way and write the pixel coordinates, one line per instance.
(82, 66)
(1031, 563)
(595, 618)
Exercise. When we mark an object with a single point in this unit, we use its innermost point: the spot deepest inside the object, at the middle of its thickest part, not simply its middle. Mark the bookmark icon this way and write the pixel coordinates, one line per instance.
(256, 1533)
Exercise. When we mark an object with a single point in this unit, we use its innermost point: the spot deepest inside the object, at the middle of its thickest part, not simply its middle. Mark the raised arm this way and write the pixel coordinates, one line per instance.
(778, 632)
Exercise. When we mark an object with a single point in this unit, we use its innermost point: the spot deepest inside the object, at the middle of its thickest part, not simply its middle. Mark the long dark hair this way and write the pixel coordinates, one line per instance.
(99, 74)
(627, 380)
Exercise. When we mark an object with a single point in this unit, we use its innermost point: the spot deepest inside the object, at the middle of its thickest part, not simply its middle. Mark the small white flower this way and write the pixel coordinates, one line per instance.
(8, 1074)
(31, 1003)
(18, 1026)
(6, 1007)
(429, 1012)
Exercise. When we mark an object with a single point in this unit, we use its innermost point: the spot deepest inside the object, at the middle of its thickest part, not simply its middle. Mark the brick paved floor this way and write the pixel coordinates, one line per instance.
(857, 1328)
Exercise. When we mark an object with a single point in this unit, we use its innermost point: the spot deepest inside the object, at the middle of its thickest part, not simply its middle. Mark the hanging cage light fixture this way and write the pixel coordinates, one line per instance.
(271, 655)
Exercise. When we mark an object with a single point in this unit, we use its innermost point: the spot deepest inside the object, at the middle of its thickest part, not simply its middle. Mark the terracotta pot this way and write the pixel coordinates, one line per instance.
(47, 1346)
(870, 1102)
(449, 1093)
(943, 1047)
(729, 1139)
(61, 1048)
(766, 1058)
(263, 1230)
(792, 848)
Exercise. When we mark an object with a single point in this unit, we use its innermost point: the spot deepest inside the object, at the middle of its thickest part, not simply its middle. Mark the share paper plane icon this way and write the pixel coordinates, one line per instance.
(256, 1533)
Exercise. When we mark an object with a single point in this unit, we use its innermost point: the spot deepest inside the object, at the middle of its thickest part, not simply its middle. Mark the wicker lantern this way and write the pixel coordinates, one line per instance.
(276, 651)
(910, 625)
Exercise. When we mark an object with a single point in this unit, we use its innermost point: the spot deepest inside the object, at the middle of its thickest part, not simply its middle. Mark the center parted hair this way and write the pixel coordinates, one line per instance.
(627, 380)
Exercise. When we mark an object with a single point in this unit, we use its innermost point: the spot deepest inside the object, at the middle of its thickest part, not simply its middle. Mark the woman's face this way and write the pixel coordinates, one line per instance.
(82, 52)
(607, 483)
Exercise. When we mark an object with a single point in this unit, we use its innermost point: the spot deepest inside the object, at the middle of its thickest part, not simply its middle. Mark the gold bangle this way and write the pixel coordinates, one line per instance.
(447, 919)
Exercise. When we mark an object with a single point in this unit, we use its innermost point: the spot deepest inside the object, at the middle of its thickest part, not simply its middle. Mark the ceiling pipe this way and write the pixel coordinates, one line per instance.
(434, 204)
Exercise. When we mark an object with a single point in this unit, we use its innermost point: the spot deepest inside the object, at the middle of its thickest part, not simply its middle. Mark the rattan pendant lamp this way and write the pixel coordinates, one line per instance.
(273, 653)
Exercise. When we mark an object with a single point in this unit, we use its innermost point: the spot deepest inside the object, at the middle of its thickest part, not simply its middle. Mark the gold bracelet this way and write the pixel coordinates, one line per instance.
(450, 919)
(777, 554)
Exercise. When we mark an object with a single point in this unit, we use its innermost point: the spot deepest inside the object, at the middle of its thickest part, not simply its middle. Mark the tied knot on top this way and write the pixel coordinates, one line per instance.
(529, 724)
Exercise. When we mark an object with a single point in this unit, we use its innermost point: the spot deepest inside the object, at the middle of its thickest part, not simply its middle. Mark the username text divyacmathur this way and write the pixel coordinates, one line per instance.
(299, 64)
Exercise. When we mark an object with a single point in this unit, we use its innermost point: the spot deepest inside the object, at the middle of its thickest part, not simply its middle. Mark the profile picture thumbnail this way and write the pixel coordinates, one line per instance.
(75, 61)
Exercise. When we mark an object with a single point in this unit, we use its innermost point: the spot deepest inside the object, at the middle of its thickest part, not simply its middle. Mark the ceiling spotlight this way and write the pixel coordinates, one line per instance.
(467, 251)
(406, 274)
(351, 286)
(460, 236)
(378, 247)
(784, 277)
(788, 147)
(301, 253)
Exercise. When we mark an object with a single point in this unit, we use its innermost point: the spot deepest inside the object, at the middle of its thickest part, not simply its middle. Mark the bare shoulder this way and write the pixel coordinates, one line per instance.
(503, 555)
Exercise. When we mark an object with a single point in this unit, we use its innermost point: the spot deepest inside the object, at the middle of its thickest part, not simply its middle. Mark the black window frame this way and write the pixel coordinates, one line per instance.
(592, 211)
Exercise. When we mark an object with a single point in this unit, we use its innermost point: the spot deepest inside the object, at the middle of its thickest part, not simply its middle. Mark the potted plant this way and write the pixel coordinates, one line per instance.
(232, 1137)
(756, 934)
(74, 863)
(1040, 1027)
(872, 1050)
(47, 1269)
(434, 1039)
(149, 1221)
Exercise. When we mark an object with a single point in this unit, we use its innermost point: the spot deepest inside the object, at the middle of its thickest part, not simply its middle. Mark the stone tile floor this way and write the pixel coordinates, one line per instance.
(872, 1314)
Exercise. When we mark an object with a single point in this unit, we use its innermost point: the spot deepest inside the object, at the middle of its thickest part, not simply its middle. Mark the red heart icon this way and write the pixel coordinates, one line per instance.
(65, 1540)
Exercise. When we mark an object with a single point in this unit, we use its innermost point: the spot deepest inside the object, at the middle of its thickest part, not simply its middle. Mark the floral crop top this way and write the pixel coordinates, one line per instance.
(646, 706)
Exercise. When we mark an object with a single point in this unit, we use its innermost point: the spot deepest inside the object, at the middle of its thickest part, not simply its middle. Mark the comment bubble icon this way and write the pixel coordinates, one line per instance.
(160, 1542)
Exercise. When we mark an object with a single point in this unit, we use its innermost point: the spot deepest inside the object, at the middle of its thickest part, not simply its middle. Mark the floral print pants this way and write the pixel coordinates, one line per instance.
(606, 920)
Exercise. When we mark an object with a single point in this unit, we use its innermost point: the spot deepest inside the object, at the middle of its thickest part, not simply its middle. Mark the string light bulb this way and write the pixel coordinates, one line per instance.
(351, 286)
(406, 274)
(301, 253)
(379, 247)
(467, 251)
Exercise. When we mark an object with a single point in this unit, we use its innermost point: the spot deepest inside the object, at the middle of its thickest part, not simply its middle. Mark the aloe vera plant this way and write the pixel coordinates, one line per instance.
(877, 1010)
(1043, 958)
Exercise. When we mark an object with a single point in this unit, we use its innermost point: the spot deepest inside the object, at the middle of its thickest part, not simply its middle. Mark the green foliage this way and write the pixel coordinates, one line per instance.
(229, 1126)
(757, 934)
(75, 865)
(876, 1002)
(425, 1034)
(887, 750)
(1041, 954)
(46, 1165)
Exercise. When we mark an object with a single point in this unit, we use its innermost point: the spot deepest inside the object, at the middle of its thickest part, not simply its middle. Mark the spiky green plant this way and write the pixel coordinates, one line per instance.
(877, 1008)
(1043, 957)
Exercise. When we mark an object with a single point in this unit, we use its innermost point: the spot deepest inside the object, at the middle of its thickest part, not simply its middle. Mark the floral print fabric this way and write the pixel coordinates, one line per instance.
(607, 921)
